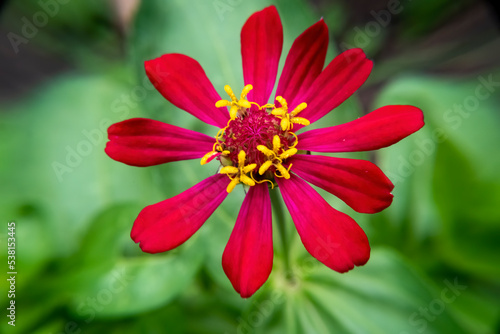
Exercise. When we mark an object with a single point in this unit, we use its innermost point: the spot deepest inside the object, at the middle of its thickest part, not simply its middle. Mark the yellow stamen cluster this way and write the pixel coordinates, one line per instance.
(288, 119)
(276, 158)
(239, 174)
(236, 105)
(276, 155)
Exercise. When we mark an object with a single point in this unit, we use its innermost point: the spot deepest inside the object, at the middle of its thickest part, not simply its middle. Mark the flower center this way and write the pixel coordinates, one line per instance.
(257, 142)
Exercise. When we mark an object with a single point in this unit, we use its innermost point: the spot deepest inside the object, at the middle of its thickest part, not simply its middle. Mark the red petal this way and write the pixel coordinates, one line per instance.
(182, 81)
(380, 128)
(359, 183)
(338, 81)
(261, 45)
(165, 225)
(248, 257)
(332, 237)
(303, 64)
(146, 142)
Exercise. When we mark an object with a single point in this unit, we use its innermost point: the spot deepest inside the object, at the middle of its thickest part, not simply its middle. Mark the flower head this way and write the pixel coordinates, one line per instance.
(257, 145)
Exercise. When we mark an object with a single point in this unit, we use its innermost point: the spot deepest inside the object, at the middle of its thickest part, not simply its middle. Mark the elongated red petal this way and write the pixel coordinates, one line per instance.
(146, 142)
(338, 81)
(248, 257)
(332, 237)
(261, 45)
(303, 64)
(165, 225)
(182, 81)
(380, 128)
(359, 183)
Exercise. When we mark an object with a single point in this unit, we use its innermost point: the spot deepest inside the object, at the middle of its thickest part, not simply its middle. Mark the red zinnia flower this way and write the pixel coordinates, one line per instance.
(256, 146)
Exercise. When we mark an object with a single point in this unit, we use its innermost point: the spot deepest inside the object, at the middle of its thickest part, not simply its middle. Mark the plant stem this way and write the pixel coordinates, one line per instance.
(280, 220)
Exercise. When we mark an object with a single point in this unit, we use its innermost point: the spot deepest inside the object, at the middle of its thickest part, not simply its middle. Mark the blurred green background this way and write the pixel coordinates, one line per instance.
(71, 68)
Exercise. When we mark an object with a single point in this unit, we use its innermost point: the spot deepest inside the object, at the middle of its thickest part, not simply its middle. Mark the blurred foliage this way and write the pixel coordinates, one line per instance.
(434, 266)
(83, 32)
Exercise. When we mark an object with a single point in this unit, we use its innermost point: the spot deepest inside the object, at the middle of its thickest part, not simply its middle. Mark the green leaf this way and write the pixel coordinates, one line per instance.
(446, 175)
(57, 160)
(385, 296)
(470, 213)
(112, 279)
